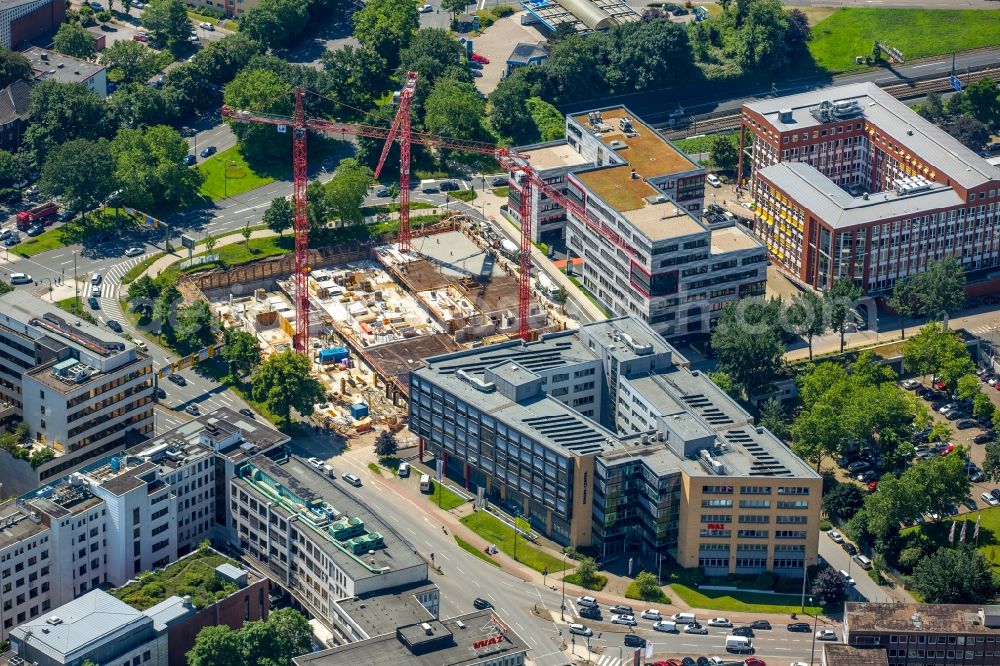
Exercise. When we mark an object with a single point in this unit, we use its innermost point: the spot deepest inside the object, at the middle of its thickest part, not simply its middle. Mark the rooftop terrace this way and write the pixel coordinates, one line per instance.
(192, 576)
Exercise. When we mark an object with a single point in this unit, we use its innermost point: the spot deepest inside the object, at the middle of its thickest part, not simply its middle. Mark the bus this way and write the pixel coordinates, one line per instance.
(425, 483)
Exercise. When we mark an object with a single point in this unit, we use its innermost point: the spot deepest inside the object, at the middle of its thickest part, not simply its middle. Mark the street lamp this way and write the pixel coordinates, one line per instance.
(562, 607)
(812, 654)
(76, 284)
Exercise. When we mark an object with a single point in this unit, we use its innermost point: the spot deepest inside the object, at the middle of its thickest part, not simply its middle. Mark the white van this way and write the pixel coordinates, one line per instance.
(404, 470)
(329, 471)
(429, 187)
(20, 278)
(738, 644)
(425, 483)
(684, 618)
(865, 563)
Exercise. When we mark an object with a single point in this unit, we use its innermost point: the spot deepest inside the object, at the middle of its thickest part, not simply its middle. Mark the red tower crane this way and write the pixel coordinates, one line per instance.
(524, 179)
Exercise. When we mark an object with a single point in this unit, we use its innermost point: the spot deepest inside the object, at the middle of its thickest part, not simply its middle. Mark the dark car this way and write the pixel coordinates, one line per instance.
(760, 624)
(688, 661)
(631, 640)
(802, 627)
(590, 612)
(867, 477)
(499, 181)
(965, 424)
(35, 231)
(177, 379)
(939, 403)
(621, 609)
(996, 493)
(160, 393)
(704, 661)
(448, 186)
(481, 603)
(921, 390)
(743, 631)
(114, 326)
(984, 438)
(66, 215)
(208, 152)
(93, 303)
(189, 160)
(382, 192)
(247, 412)
(849, 548)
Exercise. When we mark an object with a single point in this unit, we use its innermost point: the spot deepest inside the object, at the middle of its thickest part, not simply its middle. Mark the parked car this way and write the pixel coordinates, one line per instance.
(910, 384)
(426, 9)
(177, 379)
(627, 620)
(719, 622)
(989, 499)
(114, 326)
(448, 186)
(651, 614)
(139, 37)
(742, 631)
(192, 410)
(208, 151)
(315, 462)
(799, 627)
(867, 476)
(836, 536)
(499, 181)
(35, 230)
(713, 180)
(134, 251)
(965, 424)
(695, 628)
(987, 436)
(206, 26)
(479, 58)
(352, 479)
(826, 635)
(247, 413)
(847, 577)
(382, 192)
(858, 466)
(996, 493)
(754, 661)
(482, 604)
(475, 65)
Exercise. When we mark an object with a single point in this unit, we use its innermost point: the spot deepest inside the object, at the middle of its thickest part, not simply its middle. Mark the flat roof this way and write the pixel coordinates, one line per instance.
(616, 187)
(663, 221)
(20, 528)
(23, 307)
(836, 207)
(552, 156)
(894, 119)
(647, 151)
(839, 654)
(915, 618)
(732, 239)
(380, 613)
(60, 67)
(449, 643)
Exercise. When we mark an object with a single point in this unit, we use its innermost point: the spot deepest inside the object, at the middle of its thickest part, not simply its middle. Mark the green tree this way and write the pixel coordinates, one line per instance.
(150, 165)
(904, 300)
(941, 288)
(509, 115)
(246, 232)
(221, 60)
(14, 67)
(935, 349)
(165, 308)
(168, 23)
(216, 646)
(74, 40)
(186, 89)
(940, 432)
(840, 302)
(129, 62)
(210, 242)
(386, 444)
(275, 23)
(967, 387)
(954, 576)
(127, 7)
(842, 502)
(648, 586)
(970, 132)
(280, 215)
(194, 325)
(86, 15)
(982, 406)
(61, 112)
(818, 432)
(981, 100)
(283, 382)
(80, 173)
(724, 154)
(454, 109)
(142, 294)
(576, 66)
(647, 55)
(241, 353)
(806, 317)
(386, 27)
(829, 587)
(347, 189)
(13, 167)
(773, 417)
(586, 572)
(260, 91)
(356, 75)
(454, 7)
(136, 105)
(991, 462)
(749, 344)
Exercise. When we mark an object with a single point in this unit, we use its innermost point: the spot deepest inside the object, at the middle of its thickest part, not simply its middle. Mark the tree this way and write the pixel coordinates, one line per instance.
(127, 7)
(932, 109)
(164, 310)
(283, 382)
(149, 163)
(829, 587)
(347, 189)
(454, 7)
(954, 576)
(748, 343)
(74, 40)
(241, 353)
(279, 215)
(940, 351)
(724, 153)
(970, 132)
(13, 167)
(940, 432)
(981, 100)
(129, 62)
(356, 75)
(260, 91)
(967, 387)
(246, 232)
(806, 317)
(216, 645)
(221, 60)
(773, 417)
(818, 432)
(904, 300)
(186, 89)
(80, 173)
(509, 114)
(941, 288)
(168, 23)
(840, 301)
(210, 242)
(14, 67)
(586, 572)
(648, 586)
(386, 27)
(759, 36)
(982, 406)
(275, 23)
(136, 105)
(454, 109)
(842, 502)
(576, 67)
(194, 325)
(61, 112)
(991, 462)
(386, 444)
(275, 642)
(142, 294)
(646, 55)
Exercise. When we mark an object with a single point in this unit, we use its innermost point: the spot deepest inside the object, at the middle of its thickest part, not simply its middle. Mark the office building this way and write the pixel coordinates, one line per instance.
(474, 639)
(123, 514)
(646, 250)
(24, 20)
(850, 182)
(80, 389)
(605, 437)
(315, 540)
(56, 66)
(918, 634)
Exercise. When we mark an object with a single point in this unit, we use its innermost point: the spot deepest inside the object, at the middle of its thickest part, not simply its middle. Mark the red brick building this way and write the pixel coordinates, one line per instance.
(849, 181)
(24, 20)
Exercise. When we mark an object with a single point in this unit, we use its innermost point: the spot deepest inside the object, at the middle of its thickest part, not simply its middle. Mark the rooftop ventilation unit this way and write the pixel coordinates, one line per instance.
(53, 620)
(476, 383)
(785, 116)
(617, 145)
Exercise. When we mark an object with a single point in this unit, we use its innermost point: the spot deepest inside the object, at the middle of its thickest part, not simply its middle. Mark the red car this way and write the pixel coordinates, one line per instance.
(754, 661)
(948, 449)
(140, 38)
(483, 60)
(873, 486)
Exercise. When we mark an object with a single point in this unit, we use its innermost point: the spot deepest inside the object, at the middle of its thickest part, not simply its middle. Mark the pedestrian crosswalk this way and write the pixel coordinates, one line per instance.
(608, 660)
(987, 331)
(111, 288)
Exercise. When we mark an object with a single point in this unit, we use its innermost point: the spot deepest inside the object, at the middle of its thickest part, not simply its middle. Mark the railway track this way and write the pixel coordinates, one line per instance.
(731, 121)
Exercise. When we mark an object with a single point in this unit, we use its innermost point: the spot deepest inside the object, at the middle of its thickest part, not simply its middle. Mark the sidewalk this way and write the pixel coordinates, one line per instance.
(172, 258)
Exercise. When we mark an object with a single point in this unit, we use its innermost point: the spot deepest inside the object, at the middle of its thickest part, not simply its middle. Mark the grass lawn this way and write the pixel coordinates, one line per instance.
(469, 548)
(463, 195)
(851, 31)
(501, 191)
(235, 254)
(201, 18)
(699, 144)
(48, 240)
(444, 498)
(496, 532)
(989, 532)
(228, 174)
(598, 584)
(740, 600)
(140, 268)
(632, 592)
(76, 307)
(375, 469)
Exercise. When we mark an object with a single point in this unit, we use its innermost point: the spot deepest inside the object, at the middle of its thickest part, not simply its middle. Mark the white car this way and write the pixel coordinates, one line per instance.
(20, 278)
(836, 536)
(826, 635)
(580, 630)
(696, 629)
(910, 384)
(651, 614)
(206, 26)
(316, 462)
(719, 622)
(134, 251)
(665, 625)
(96, 279)
(589, 602)
(798, 663)
(628, 620)
(426, 9)
(986, 497)
(713, 180)
(847, 577)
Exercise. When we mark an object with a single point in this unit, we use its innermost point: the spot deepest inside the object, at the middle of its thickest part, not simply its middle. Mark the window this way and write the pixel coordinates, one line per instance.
(135, 516)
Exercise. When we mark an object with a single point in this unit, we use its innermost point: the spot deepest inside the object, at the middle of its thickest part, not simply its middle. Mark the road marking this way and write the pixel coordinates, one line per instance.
(929, 64)
(459, 569)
